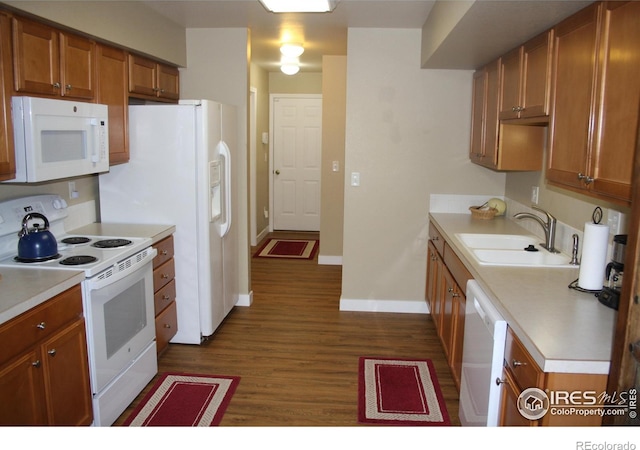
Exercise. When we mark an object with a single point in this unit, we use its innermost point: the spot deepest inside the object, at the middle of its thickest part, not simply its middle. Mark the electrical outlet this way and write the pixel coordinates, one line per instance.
(355, 178)
(73, 193)
(535, 191)
(614, 221)
(335, 166)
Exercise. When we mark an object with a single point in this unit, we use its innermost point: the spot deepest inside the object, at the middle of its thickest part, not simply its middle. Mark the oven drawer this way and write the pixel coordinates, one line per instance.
(40, 322)
(165, 251)
(524, 369)
(166, 326)
(163, 274)
(164, 296)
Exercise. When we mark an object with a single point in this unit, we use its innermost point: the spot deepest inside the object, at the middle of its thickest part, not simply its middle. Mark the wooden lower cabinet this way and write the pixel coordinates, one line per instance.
(164, 287)
(446, 283)
(44, 371)
(521, 372)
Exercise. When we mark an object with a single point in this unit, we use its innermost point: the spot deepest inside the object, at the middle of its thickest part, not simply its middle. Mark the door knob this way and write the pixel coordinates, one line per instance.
(277, 172)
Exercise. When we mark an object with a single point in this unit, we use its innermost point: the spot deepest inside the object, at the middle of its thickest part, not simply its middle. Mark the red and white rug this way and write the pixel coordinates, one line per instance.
(185, 400)
(288, 248)
(399, 392)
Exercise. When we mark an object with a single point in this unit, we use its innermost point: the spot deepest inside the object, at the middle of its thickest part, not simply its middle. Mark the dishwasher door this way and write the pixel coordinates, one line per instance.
(485, 333)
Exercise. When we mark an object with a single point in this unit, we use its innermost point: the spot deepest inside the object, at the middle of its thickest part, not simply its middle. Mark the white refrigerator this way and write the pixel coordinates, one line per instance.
(181, 172)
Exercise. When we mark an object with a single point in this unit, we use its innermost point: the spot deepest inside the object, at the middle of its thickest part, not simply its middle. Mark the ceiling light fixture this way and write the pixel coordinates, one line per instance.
(300, 6)
(290, 69)
(292, 50)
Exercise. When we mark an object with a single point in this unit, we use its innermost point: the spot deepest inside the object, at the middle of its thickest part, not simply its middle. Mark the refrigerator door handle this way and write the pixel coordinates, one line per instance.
(226, 159)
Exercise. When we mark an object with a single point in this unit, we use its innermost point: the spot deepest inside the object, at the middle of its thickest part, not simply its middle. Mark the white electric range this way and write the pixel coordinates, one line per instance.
(117, 299)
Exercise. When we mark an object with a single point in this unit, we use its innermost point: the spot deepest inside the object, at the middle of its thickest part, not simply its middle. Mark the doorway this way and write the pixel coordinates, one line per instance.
(296, 130)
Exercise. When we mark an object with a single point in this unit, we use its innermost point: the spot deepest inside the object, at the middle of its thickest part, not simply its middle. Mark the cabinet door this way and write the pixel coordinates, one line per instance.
(619, 62)
(77, 58)
(449, 293)
(478, 108)
(458, 338)
(432, 276)
(510, 70)
(142, 76)
(166, 326)
(536, 76)
(66, 370)
(36, 57)
(168, 83)
(438, 298)
(22, 391)
(573, 82)
(7, 152)
(112, 90)
(509, 414)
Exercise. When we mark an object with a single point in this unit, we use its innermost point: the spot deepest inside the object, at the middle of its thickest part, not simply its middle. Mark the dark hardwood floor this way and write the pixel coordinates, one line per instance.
(297, 354)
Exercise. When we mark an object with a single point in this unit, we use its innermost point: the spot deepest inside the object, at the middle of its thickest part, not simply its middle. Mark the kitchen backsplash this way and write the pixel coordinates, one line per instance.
(459, 204)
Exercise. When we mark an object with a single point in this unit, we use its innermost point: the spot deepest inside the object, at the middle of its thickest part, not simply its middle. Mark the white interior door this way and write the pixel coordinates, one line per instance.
(297, 146)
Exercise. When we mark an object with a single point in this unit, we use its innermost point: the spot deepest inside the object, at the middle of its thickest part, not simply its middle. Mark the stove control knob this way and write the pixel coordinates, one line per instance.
(59, 203)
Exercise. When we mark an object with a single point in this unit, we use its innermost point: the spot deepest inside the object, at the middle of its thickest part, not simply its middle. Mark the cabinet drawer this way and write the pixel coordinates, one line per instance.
(163, 274)
(436, 238)
(164, 296)
(166, 326)
(40, 322)
(165, 251)
(524, 369)
(457, 269)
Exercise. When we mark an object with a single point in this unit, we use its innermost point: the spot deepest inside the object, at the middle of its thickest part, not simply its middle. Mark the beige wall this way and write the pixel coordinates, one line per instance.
(300, 83)
(129, 24)
(407, 133)
(260, 82)
(334, 87)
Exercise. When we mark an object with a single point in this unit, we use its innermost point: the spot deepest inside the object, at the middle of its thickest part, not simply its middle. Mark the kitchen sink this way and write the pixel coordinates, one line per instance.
(509, 250)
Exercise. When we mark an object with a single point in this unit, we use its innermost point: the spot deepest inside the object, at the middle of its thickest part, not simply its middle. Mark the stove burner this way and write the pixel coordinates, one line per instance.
(76, 240)
(36, 260)
(78, 260)
(111, 243)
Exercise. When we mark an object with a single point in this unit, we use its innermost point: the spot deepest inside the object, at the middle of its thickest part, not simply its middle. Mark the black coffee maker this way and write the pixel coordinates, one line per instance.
(610, 295)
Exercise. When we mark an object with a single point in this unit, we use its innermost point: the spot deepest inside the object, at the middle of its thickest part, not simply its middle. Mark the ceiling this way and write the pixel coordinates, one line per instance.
(487, 29)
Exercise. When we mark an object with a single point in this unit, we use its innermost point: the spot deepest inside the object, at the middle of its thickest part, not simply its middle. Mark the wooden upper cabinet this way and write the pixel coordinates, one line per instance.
(611, 159)
(153, 80)
(112, 90)
(525, 74)
(484, 121)
(594, 118)
(7, 153)
(49, 62)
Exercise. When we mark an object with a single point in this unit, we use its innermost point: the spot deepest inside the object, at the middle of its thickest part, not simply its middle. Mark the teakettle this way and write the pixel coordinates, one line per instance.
(36, 243)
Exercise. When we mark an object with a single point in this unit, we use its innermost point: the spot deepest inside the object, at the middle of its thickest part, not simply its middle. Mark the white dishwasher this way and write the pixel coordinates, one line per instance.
(485, 332)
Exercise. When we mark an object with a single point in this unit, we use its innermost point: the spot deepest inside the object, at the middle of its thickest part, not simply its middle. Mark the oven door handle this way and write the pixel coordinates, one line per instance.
(113, 274)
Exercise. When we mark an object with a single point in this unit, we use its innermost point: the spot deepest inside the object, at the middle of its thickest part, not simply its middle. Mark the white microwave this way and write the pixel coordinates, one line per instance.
(59, 138)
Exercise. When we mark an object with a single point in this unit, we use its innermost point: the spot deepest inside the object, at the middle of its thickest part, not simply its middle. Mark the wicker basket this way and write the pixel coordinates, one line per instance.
(484, 213)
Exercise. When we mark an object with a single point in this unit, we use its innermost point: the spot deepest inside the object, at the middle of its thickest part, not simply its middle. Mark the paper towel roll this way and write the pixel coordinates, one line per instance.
(594, 256)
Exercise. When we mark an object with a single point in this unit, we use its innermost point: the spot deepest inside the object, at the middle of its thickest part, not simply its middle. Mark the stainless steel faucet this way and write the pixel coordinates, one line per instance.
(549, 227)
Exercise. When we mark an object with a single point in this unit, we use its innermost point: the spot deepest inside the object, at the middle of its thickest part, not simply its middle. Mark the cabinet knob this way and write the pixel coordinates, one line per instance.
(586, 178)
(166, 297)
(164, 253)
(499, 381)
(516, 363)
(52, 352)
(68, 87)
(36, 363)
(164, 276)
(166, 325)
(41, 326)
(435, 238)
(56, 85)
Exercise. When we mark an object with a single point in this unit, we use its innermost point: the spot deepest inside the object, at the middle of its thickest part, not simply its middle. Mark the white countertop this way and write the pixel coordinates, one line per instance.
(564, 330)
(23, 289)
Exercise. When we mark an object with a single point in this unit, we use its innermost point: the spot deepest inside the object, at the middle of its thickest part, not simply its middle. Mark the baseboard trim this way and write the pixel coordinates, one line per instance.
(329, 260)
(245, 299)
(394, 306)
